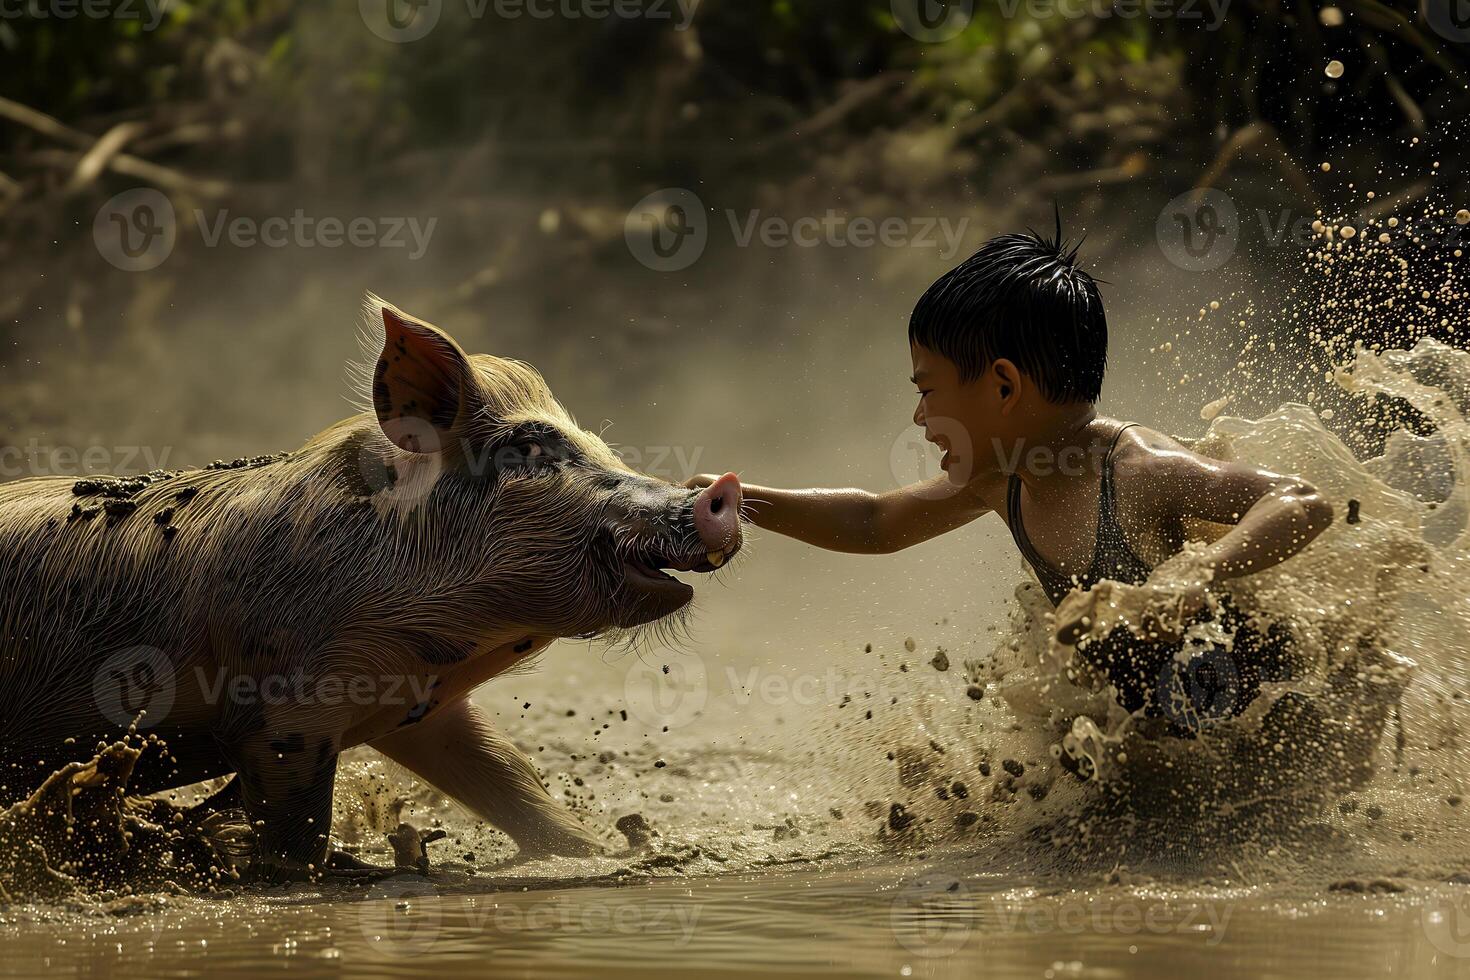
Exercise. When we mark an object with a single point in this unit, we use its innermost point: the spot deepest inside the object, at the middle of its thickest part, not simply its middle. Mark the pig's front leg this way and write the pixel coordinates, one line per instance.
(285, 779)
(459, 752)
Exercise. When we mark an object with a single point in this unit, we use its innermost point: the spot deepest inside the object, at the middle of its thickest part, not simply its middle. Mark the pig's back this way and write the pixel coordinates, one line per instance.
(85, 580)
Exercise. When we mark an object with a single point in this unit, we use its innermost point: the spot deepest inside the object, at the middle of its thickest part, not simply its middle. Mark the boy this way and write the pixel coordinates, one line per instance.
(1008, 352)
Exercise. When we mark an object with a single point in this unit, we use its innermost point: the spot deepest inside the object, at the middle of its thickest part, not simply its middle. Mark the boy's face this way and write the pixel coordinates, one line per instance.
(963, 418)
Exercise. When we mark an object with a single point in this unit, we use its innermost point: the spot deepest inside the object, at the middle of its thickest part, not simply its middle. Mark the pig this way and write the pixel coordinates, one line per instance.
(261, 616)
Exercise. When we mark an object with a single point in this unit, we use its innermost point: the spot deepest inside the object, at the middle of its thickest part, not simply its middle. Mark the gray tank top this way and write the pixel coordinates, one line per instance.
(1112, 557)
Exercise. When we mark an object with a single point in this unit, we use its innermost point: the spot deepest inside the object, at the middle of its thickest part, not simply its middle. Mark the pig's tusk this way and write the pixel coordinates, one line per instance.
(716, 558)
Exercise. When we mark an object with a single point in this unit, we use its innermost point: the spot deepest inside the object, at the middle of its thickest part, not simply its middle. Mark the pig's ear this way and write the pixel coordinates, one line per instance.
(422, 385)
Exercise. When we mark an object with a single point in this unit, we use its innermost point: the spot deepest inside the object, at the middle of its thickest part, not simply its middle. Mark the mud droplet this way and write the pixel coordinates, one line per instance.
(899, 818)
(636, 829)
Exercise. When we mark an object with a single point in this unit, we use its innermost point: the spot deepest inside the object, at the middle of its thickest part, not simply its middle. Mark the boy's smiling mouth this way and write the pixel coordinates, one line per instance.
(944, 445)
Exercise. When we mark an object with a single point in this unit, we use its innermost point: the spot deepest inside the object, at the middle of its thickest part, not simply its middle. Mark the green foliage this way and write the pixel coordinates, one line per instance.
(747, 69)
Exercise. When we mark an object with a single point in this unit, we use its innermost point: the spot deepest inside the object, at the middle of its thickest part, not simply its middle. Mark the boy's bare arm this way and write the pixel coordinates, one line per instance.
(1274, 516)
(860, 522)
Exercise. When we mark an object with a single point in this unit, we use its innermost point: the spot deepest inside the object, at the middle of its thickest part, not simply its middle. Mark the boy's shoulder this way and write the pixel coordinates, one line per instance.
(1139, 443)
(1143, 456)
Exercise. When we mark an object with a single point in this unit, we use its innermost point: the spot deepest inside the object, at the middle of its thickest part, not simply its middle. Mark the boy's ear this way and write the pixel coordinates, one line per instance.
(423, 385)
(1007, 380)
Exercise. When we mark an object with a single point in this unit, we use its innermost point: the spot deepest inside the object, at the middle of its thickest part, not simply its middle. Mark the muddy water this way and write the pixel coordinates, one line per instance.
(774, 849)
(877, 920)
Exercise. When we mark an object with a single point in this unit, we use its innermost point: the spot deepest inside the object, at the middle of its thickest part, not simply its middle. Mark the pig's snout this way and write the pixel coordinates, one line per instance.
(717, 518)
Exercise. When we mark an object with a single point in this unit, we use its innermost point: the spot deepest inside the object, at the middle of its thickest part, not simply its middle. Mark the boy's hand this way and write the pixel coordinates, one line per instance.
(700, 482)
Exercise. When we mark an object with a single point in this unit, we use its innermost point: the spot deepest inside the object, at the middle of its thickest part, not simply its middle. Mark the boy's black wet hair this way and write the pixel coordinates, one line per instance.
(1021, 297)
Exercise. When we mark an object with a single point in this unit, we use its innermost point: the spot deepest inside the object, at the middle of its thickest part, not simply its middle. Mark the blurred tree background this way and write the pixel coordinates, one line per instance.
(537, 133)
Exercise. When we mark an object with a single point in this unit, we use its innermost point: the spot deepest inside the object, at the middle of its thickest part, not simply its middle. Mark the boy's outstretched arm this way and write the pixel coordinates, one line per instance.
(859, 522)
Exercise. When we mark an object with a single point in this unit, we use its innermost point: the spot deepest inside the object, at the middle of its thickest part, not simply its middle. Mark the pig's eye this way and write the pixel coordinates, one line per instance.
(528, 452)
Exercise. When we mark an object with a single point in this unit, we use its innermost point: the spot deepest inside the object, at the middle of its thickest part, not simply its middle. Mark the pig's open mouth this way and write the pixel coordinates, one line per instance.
(648, 566)
(694, 534)
(645, 572)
